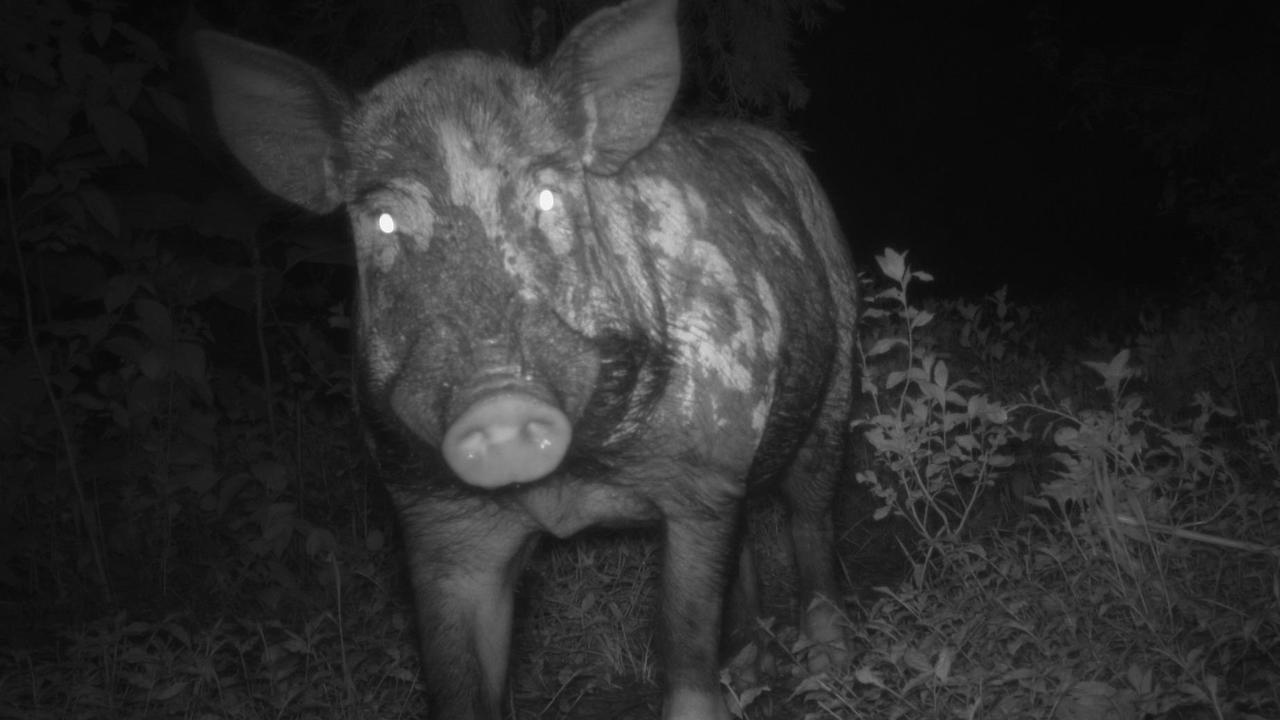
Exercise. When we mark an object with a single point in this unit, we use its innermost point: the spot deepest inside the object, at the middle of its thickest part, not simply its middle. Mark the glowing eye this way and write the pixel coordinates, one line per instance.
(546, 200)
(386, 223)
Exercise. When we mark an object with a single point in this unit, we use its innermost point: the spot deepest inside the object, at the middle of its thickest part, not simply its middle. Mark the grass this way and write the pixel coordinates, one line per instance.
(1064, 548)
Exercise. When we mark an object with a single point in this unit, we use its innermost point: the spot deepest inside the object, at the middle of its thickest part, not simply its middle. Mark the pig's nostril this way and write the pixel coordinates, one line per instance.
(540, 434)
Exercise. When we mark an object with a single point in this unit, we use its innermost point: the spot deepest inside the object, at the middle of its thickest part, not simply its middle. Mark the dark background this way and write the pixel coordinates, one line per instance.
(1064, 148)
(1067, 149)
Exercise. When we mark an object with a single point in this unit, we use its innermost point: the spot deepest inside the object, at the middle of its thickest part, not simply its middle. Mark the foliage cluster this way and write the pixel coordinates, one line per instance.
(1133, 571)
(127, 447)
(175, 445)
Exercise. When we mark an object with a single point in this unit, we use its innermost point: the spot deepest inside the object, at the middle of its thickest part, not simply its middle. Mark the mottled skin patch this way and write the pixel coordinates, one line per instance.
(717, 350)
(474, 178)
(769, 225)
(769, 338)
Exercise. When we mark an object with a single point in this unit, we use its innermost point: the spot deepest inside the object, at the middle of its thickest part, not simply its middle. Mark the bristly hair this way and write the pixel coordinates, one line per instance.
(633, 376)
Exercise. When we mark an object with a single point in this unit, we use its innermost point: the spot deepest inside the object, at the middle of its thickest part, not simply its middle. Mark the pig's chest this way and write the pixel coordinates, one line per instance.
(563, 505)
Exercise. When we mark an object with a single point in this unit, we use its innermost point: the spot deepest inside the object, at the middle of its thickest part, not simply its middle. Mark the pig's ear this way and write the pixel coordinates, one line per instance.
(619, 70)
(281, 117)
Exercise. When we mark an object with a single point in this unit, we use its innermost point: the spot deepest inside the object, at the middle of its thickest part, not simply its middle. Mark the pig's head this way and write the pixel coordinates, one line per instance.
(491, 311)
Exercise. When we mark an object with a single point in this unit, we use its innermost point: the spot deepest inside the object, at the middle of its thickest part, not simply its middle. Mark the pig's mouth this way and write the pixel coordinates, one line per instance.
(507, 430)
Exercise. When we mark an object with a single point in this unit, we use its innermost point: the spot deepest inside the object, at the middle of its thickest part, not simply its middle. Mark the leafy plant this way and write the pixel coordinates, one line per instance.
(939, 443)
(101, 346)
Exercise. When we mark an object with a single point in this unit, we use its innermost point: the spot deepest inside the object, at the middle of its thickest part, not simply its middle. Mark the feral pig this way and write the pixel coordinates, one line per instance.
(572, 310)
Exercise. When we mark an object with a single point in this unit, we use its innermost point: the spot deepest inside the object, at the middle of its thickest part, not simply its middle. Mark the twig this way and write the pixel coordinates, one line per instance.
(1198, 536)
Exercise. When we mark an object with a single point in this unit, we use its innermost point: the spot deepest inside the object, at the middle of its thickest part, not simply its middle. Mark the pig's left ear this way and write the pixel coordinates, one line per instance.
(280, 117)
(619, 71)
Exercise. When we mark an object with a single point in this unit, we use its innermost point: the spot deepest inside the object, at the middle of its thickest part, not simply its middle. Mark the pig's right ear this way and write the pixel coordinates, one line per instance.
(619, 71)
(281, 117)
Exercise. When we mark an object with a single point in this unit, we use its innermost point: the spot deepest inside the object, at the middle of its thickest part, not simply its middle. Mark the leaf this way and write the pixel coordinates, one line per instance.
(813, 683)
(271, 474)
(154, 363)
(940, 374)
(320, 542)
(978, 406)
(1113, 372)
(77, 68)
(126, 348)
(1118, 364)
(168, 691)
(126, 82)
(100, 27)
(867, 676)
(934, 392)
(100, 207)
(189, 362)
(892, 264)
(884, 345)
(144, 48)
(744, 699)
(200, 427)
(1000, 461)
(200, 480)
(154, 320)
(120, 290)
(45, 183)
(916, 660)
(892, 294)
(1094, 688)
(942, 668)
(118, 132)
(920, 319)
(169, 106)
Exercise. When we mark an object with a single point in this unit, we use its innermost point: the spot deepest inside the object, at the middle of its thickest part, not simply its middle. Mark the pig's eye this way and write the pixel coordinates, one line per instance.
(387, 224)
(546, 200)
(553, 219)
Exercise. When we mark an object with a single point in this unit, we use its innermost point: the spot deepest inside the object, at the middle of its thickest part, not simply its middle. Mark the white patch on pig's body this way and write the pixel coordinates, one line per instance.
(405, 216)
(474, 183)
(699, 347)
(771, 336)
(473, 180)
(378, 357)
(718, 353)
(769, 225)
(400, 221)
(553, 215)
(378, 252)
(672, 227)
(770, 346)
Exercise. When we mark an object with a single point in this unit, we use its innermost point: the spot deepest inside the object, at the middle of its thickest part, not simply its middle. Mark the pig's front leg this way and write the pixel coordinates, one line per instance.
(464, 561)
(699, 542)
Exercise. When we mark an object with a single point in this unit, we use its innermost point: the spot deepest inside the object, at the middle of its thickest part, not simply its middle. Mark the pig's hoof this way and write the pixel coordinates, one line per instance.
(825, 631)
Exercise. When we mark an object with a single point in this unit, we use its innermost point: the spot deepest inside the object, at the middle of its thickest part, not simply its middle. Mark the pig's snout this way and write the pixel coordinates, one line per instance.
(507, 438)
